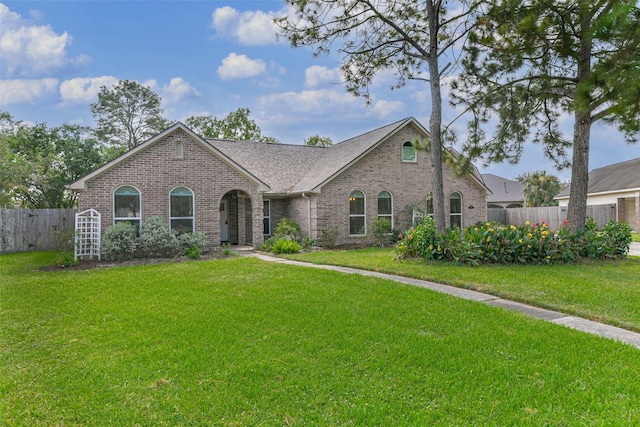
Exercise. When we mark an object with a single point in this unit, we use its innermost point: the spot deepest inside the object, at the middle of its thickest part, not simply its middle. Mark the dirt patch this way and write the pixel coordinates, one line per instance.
(91, 264)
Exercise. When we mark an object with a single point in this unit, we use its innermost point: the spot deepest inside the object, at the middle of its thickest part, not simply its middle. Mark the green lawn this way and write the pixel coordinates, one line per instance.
(240, 341)
(606, 291)
(635, 237)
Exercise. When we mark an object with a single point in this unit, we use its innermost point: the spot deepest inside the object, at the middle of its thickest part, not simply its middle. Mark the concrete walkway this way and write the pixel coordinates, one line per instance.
(573, 322)
(634, 249)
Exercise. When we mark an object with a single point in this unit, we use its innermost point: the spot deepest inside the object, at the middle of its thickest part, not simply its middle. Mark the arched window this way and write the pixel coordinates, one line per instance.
(408, 152)
(181, 210)
(385, 207)
(455, 210)
(357, 225)
(126, 205)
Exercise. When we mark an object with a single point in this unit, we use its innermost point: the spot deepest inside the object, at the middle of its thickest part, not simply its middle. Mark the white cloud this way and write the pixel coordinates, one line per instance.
(237, 66)
(20, 91)
(249, 28)
(318, 74)
(83, 89)
(384, 109)
(32, 49)
(178, 89)
(310, 101)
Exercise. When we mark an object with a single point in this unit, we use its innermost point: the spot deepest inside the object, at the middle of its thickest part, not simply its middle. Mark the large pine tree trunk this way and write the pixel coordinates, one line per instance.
(577, 212)
(435, 123)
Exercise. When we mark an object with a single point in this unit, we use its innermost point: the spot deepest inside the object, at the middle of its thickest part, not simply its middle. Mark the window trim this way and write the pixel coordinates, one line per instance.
(415, 153)
(357, 215)
(389, 215)
(129, 219)
(455, 214)
(266, 217)
(193, 209)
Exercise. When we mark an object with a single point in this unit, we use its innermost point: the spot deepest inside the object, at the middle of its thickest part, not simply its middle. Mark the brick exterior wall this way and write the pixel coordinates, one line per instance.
(408, 182)
(155, 171)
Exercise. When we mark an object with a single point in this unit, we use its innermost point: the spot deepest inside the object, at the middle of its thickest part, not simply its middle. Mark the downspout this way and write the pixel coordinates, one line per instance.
(304, 196)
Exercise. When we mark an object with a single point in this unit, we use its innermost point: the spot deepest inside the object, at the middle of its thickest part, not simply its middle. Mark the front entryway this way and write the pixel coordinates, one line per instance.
(236, 218)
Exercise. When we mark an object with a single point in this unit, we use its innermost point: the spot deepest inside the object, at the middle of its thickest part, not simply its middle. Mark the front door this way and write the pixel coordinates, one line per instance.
(224, 221)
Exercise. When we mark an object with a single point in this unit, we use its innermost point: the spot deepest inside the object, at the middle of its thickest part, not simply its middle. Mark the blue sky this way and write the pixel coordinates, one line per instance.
(211, 57)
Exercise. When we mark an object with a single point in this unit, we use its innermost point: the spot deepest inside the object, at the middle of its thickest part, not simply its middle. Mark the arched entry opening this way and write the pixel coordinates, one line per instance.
(236, 220)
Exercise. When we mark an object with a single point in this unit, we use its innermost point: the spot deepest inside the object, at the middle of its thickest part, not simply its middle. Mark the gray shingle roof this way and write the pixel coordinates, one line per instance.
(616, 177)
(503, 189)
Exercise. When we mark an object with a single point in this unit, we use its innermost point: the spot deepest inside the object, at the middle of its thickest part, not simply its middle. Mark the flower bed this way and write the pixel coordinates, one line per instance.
(528, 244)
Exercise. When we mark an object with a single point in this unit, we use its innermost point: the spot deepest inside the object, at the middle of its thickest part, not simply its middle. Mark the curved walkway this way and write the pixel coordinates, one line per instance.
(573, 322)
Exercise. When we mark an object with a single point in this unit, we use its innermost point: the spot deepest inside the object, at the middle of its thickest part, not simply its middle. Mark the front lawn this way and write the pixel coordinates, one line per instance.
(606, 291)
(245, 342)
(635, 237)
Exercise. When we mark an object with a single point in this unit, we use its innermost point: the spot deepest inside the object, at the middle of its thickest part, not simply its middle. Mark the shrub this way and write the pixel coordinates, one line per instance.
(381, 229)
(268, 244)
(157, 240)
(193, 244)
(287, 229)
(285, 246)
(329, 237)
(119, 242)
(65, 248)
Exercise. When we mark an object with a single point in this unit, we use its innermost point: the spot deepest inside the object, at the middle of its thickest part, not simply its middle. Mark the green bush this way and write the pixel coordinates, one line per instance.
(119, 242)
(157, 240)
(382, 232)
(287, 229)
(285, 246)
(193, 244)
(268, 244)
(329, 237)
(529, 244)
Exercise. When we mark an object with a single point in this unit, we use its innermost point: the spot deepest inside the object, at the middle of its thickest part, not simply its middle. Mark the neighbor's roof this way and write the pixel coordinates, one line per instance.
(624, 176)
(504, 190)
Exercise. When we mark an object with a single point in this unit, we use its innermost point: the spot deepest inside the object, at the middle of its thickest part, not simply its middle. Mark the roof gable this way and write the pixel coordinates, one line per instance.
(503, 189)
(80, 184)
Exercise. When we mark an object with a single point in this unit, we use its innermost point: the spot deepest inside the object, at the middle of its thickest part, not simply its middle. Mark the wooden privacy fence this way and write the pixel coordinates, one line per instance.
(34, 229)
(551, 215)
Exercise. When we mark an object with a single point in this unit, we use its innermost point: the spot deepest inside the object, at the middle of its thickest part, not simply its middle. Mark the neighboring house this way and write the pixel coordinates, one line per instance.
(237, 191)
(505, 192)
(617, 184)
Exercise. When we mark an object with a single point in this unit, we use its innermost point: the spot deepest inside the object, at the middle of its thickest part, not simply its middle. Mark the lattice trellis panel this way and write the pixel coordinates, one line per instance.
(88, 230)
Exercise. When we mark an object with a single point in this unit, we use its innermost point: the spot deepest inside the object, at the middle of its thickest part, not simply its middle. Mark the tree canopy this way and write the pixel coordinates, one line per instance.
(540, 188)
(127, 114)
(318, 141)
(235, 126)
(528, 63)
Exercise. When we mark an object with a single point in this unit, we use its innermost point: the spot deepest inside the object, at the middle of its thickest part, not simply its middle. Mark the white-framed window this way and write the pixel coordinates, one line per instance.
(408, 152)
(455, 210)
(181, 218)
(266, 217)
(126, 205)
(357, 225)
(385, 207)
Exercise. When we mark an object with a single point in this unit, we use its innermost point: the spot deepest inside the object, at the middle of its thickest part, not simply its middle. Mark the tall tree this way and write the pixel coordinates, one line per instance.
(42, 161)
(236, 126)
(127, 114)
(531, 61)
(318, 141)
(540, 188)
(408, 37)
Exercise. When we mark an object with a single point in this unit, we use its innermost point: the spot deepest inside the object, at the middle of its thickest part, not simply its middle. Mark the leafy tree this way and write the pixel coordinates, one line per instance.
(408, 37)
(127, 114)
(540, 188)
(531, 61)
(235, 126)
(318, 141)
(39, 162)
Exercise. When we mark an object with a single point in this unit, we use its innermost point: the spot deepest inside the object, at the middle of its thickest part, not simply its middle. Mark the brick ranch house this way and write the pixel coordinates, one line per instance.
(237, 191)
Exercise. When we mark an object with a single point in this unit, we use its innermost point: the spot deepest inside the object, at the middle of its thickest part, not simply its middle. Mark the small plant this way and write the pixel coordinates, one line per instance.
(329, 237)
(119, 241)
(287, 229)
(268, 244)
(381, 229)
(285, 246)
(157, 240)
(65, 248)
(226, 248)
(193, 243)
